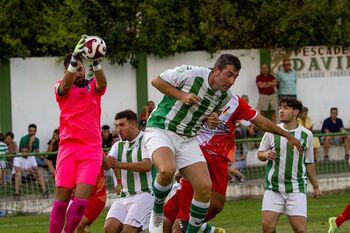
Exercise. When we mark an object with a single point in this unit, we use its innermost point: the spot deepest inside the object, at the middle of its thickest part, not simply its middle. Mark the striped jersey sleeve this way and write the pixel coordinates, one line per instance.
(174, 115)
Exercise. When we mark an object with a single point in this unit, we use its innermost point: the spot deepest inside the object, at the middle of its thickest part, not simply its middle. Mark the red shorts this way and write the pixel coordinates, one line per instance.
(97, 199)
(218, 170)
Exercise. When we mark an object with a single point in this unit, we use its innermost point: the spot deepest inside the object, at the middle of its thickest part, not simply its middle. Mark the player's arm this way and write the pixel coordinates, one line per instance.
(118, 175)
(169, 90)
(69, 75)
(311, 174)
(142, 166)
(268, 126)
(101, 81)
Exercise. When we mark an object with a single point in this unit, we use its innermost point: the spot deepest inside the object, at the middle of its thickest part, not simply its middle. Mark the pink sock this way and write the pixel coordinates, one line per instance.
(57, 216)
(75, 213)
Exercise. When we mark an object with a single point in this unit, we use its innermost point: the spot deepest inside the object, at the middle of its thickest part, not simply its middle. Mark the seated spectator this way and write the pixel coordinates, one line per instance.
(12, 147)
(148, 109)
(306, 121)
(32, 142)
(106, 137)
(333, 124)
(11, 144)
(3, 152)
(25, 169)
(53, 146)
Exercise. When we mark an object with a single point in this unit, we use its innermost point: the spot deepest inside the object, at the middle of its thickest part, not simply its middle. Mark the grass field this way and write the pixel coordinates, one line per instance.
(241, 216)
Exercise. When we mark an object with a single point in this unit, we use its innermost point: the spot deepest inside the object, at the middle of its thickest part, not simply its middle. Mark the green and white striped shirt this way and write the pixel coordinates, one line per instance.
(174, 115)
(3, 151)
(287, 173)
(132, 151)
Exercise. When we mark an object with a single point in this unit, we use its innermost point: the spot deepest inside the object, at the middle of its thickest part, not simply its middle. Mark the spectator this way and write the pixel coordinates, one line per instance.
(148, 109)
(267, 97)
(53, 147)
(287, 80)
(12, 147)
(115, 138)
(11, 144)
(30, 140)
(333, 124)
(106, 137)
(25, 169)
(3, 152)
(306, 121)
(247, 128)
(33, 143)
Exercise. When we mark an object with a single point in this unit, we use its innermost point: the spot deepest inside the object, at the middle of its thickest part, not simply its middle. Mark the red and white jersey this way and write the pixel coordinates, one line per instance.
(220, 141)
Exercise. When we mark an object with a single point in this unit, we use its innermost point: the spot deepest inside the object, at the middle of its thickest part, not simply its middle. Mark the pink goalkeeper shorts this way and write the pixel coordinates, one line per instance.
(77, 164)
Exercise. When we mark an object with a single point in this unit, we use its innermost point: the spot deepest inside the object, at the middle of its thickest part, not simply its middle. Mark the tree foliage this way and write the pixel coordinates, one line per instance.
(163, 28)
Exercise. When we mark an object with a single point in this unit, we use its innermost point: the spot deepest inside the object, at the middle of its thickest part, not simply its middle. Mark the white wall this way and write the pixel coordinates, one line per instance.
(245, 84)
(33, 99)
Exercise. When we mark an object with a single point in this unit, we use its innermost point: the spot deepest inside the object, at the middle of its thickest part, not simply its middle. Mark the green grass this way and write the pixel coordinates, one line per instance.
(241, 216)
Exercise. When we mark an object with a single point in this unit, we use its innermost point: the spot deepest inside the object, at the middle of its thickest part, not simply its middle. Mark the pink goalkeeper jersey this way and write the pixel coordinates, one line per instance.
(220, 141)
(80, 114)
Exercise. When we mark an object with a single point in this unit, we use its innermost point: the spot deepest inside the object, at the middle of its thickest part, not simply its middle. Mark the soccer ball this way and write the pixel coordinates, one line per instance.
(95, 48)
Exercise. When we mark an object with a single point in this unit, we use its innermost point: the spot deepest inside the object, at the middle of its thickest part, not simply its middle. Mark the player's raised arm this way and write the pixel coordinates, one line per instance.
(267, 125)
(169, 90)
(72, 67)
(101, 81)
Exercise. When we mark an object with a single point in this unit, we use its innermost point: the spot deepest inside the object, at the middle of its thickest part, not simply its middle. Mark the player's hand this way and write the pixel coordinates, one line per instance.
(213, 120)
(270, 154)
(79, 48)
(111, 161)
(190, 99)
(293, 142)
(118, 188)
(317, 193)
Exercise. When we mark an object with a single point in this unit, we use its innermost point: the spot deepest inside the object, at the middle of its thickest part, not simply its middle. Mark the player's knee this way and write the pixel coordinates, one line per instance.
(203, 189)
(267, 226)
(166, 175)
(109, 228)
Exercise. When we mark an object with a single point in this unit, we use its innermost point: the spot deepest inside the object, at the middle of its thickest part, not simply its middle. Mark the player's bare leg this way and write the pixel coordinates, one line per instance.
(113, 225)
(202, 192)
(298, 223)
(164, 160)
(269, 221)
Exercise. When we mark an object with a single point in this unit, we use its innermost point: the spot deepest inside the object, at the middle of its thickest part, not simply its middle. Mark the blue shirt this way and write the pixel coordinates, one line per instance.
(333, 128)
(287, 82)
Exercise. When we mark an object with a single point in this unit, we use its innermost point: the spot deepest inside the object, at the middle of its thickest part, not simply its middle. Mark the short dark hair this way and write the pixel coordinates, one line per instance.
(292, 102)
(227, 59)
(334, 108)
(2, 137)
(24, 147)
(105, 127)
(10, 134)
(32, 126)
(128, 114)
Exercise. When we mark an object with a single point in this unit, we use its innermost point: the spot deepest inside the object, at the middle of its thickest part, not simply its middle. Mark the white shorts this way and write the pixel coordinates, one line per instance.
(291, 204)
(186, 151)
(3, 164)
(134, 210)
